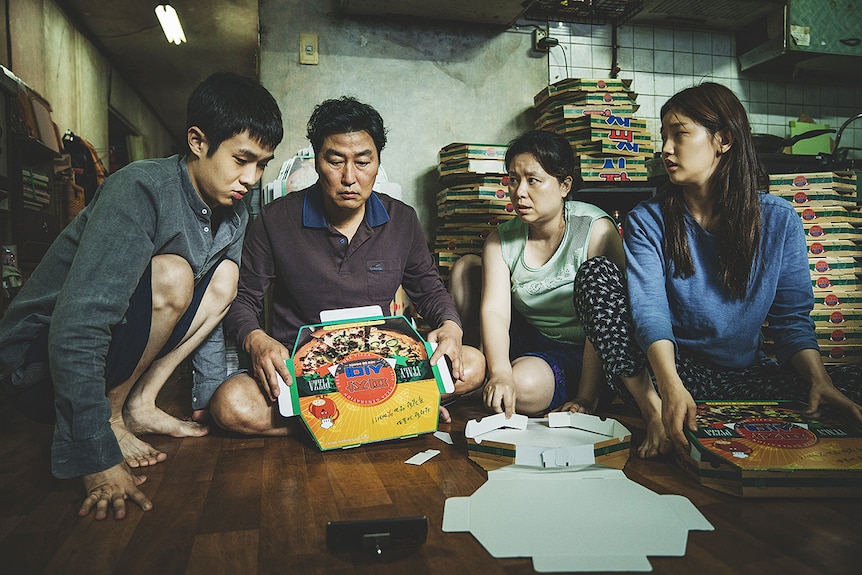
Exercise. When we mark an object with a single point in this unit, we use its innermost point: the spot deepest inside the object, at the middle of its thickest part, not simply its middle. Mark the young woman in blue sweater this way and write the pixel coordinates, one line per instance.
(710, 260)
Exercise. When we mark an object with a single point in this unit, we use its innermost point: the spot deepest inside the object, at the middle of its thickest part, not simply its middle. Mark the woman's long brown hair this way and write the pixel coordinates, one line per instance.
(734, 187)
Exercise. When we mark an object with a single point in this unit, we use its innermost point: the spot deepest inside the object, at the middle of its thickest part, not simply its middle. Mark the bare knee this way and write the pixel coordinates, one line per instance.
(223, 285)
(237, 405)
(534, 384)
(473, 368)
(173, 284)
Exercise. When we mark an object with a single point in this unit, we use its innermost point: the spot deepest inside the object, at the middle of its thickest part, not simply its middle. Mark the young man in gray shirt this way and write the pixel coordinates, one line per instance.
(137, 282)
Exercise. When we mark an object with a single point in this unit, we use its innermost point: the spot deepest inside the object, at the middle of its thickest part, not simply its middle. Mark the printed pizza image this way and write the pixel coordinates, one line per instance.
(331, 344)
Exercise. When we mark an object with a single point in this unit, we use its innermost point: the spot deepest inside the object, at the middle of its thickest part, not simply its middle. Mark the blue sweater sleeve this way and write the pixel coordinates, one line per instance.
(789, 320)
(646, 273)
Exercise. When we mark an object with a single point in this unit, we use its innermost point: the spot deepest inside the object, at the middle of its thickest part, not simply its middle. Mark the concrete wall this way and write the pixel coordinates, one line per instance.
(60, 63)
(434, 84)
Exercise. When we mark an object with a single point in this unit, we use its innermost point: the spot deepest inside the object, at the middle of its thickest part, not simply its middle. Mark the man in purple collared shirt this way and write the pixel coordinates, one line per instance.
(336, 244)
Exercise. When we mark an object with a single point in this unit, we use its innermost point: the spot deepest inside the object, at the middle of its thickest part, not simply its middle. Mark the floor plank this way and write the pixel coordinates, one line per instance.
(230, 504)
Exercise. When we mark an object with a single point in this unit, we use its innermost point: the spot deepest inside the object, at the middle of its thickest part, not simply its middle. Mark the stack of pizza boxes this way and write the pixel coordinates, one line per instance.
(826, 203)
(474, 200)
(597, 118)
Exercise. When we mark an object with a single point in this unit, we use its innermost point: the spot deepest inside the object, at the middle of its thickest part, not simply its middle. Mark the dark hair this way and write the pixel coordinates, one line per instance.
(226, 104)
(343, 116)
(551, 150)
(734, 186)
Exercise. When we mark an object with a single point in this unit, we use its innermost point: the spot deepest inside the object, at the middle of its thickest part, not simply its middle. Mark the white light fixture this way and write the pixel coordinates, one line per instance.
(170, 23)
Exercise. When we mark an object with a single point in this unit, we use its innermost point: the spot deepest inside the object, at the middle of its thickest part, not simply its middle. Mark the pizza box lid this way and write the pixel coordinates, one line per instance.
(361, 377)
(770, 449)
(562, 440)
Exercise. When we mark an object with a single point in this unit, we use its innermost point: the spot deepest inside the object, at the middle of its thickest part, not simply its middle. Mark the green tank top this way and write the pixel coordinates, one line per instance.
(544, 295)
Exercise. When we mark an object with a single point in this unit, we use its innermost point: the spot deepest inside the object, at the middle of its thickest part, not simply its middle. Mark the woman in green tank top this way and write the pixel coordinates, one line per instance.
(540, 352)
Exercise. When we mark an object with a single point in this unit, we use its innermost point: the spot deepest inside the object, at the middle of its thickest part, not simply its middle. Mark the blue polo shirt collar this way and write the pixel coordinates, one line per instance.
(314, 216)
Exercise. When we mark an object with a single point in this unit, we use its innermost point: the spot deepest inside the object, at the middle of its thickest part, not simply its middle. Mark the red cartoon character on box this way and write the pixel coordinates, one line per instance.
(325, 410)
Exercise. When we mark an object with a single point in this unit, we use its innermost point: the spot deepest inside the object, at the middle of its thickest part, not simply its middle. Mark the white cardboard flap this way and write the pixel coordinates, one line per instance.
(607, 427)
(328, 315)
(568, 456)
(285, 405)
(588, 563)
(443, 368)
(476, 427)
(456, 514)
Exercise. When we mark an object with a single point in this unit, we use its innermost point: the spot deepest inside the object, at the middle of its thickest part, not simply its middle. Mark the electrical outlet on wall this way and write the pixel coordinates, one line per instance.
(539, 34)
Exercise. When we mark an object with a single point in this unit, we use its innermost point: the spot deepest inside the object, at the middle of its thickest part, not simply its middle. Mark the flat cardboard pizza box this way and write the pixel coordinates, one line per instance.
(561, 440)
(769, 449)
(360, 377)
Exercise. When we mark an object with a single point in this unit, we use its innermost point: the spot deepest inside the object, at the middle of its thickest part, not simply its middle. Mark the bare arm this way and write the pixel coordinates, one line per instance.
(678, 409)
(810, 366)
(496, 316)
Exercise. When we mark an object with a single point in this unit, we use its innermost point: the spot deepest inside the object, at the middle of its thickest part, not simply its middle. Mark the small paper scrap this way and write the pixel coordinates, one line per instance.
(421, 458)
(444, 437)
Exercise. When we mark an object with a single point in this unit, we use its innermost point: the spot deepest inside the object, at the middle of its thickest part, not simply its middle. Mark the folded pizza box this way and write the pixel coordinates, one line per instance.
(611, 176)
(492, 194)
(612, 146)
(462, 151)
(558, 441)
(841, 353)
(828, 230)
(770, 449)
(585, 98)
(829, 263)
(816, 197)
(609, 122)
(472, 166)
(573, 111)
(829, 336)
(842, 316)
(459, 243)
(360, 377)
(824, 282)
(837, 298)
(483, 209)
(828, 213)
(843, 181)
(833, 247)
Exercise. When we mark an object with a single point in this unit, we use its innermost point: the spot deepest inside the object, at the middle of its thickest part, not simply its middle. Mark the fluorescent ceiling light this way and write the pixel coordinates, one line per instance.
(170, 23)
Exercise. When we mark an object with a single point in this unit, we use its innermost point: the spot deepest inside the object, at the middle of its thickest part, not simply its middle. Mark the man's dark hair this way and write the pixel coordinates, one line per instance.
(343, 116)
(226, 104)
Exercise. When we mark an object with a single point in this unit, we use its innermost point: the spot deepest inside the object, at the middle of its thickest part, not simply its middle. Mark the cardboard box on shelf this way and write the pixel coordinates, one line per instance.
(769, 449)
(360, 377)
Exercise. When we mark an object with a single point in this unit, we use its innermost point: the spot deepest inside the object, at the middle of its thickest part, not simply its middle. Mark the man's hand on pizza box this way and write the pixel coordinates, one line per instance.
(448, 339)
(268, 357)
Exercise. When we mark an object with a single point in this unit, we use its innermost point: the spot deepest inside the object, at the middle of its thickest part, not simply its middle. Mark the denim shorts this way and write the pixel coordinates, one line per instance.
(34, 394)
(564, 359)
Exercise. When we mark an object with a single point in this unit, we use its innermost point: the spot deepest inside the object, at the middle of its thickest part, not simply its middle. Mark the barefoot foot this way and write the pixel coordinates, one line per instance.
(137, 453)
(579, 405)
(656, 441)
(153, 421)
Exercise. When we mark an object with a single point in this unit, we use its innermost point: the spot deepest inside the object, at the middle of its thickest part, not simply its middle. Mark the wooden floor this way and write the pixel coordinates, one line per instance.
(234, 505)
